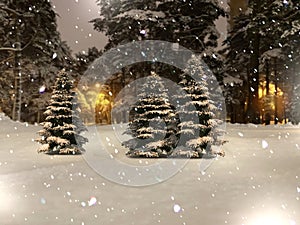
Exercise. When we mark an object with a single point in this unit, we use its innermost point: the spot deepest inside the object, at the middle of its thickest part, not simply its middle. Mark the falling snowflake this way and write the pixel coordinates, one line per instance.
(286, 2)
(176, 208)
(240, 134)
(92, 201)
(54, 55)
(264, 144)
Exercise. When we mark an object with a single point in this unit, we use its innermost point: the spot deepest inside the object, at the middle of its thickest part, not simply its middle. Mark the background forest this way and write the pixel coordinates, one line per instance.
(257, 66)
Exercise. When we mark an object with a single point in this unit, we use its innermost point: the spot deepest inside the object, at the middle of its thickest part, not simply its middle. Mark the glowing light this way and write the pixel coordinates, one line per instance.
(7, 201)
(267, 221)
(271, 219)
(262, 91)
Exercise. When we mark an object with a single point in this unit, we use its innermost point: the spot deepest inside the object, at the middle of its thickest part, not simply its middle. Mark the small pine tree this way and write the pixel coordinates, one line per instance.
(197, 128)
(62, 126)
(153, 123)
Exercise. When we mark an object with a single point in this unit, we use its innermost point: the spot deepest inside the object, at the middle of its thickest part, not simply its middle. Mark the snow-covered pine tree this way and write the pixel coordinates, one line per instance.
(295, 105)
(42, 55)
(252, 37)
(62, 126)
(153, 123)
(198, 128)
(291, 31)
(191, 24)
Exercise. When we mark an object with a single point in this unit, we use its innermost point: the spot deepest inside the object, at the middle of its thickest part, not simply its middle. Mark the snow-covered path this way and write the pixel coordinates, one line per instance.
(256, 183)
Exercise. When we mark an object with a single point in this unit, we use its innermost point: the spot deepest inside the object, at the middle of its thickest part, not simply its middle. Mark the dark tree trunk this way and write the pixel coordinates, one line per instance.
(267, 116)
(276, 95)
(267, 78)
(18, 77)
(123, 84)
(253, 112)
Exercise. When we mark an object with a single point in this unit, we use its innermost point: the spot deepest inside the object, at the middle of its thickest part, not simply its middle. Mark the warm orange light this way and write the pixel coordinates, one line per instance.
(101, 100)
(262, 91)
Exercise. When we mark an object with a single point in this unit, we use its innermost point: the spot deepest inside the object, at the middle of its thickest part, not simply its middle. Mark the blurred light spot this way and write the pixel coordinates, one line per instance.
(43, 201)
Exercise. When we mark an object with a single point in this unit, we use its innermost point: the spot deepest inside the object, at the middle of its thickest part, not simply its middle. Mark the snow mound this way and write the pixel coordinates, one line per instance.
(3, 116)
(7, 124)
(261, 126)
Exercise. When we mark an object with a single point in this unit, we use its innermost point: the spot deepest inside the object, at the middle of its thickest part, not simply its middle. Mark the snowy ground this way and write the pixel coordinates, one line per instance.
(257, 183)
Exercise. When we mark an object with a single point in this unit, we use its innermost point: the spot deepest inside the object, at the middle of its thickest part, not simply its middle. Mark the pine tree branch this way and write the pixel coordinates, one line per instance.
(21, 49)
(9, 49)
(11, 57)
(5, 8)
(291, 16)
(29, 42)
(16, 13)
